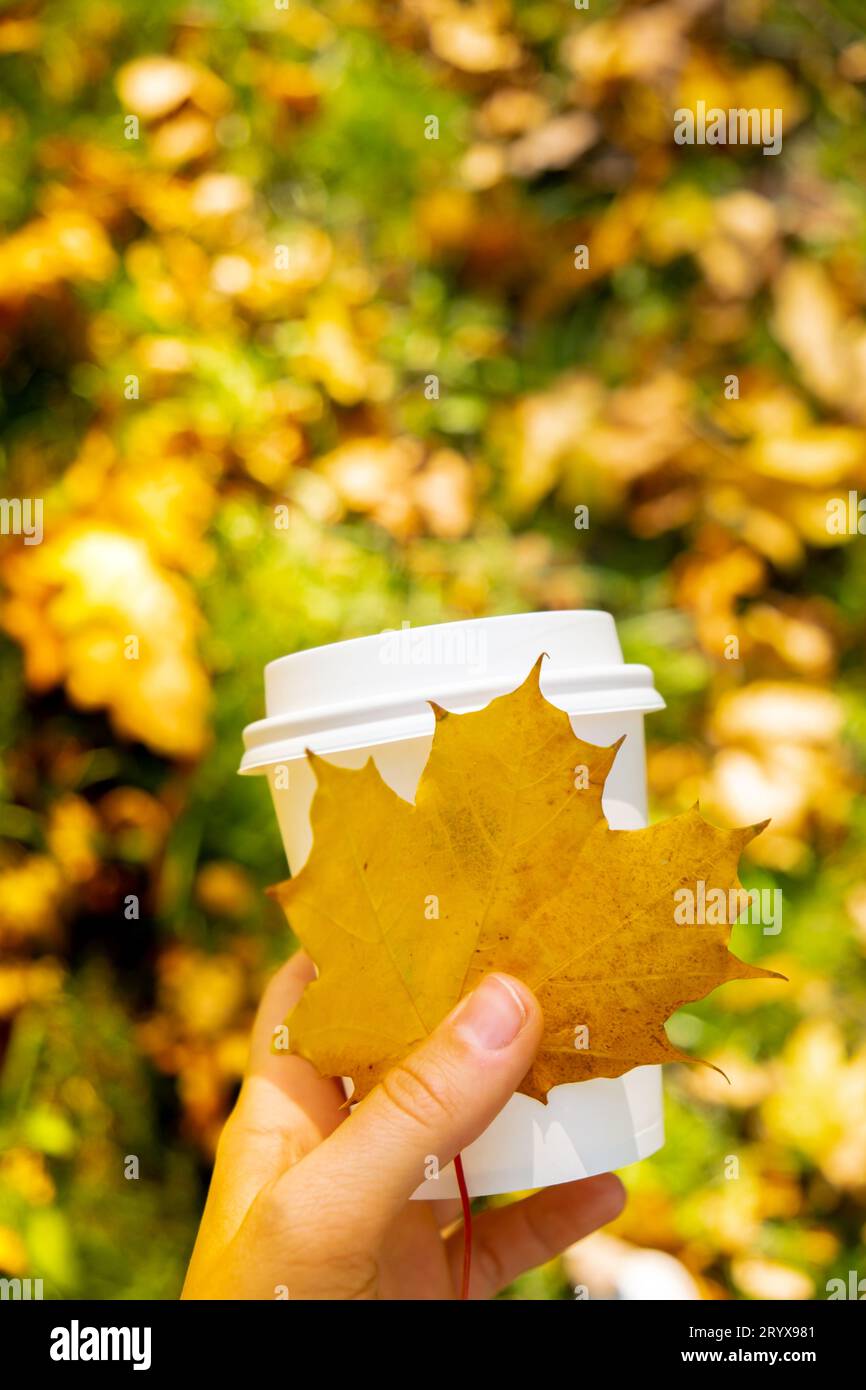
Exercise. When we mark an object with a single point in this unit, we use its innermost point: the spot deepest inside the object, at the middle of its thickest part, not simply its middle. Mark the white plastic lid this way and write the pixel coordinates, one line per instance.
(374, 690)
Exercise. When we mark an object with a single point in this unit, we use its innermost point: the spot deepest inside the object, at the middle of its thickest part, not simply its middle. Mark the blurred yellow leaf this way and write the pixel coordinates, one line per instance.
(123, 631)
(769, 1279)
(819, 1103)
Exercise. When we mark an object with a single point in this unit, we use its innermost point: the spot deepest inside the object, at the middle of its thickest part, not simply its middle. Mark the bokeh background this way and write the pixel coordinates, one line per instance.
(219, 324)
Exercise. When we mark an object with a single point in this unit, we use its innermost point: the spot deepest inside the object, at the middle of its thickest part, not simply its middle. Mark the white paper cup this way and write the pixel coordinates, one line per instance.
(368, 697)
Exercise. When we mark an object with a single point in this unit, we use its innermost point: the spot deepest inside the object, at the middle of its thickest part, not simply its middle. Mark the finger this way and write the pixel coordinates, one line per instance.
(446, 1211)
(413, 1265)
(506, 1241)
(283, 1111)
(434, 1103)
(281, 1092)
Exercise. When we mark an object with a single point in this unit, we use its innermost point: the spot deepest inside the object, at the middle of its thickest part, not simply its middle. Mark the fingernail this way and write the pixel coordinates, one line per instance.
(492, 1016)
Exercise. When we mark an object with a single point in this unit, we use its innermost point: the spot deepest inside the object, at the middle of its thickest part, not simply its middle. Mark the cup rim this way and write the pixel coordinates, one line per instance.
(348, 644)
(399, 709)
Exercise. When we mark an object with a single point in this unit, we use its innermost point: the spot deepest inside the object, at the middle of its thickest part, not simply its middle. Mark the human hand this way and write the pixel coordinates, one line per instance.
(310, 1201)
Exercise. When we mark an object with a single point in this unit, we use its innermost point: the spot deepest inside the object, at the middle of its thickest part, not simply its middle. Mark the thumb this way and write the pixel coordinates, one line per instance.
(436, 1101)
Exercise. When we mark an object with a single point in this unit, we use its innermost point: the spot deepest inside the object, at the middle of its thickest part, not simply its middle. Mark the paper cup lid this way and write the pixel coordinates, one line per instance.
(373, 690)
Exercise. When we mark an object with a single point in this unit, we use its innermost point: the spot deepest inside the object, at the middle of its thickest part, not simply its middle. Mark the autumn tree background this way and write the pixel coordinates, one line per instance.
(294, 348)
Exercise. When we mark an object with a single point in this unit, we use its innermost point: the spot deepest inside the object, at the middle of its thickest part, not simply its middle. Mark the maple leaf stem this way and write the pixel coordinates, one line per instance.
(467, 1226)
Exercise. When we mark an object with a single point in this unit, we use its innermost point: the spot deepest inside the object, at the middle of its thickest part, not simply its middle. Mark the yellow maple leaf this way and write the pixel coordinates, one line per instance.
(505, 862)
